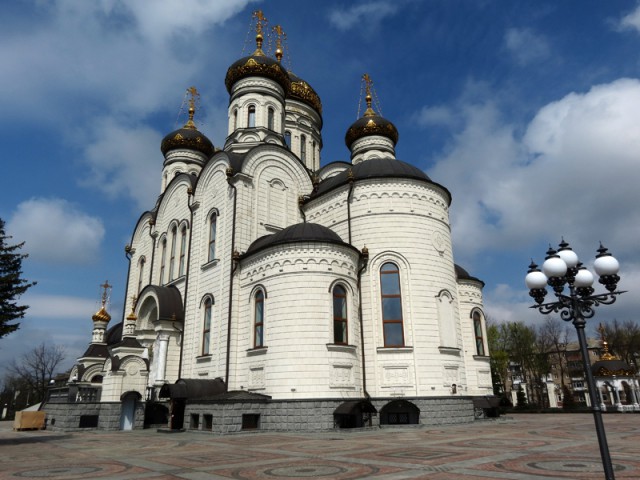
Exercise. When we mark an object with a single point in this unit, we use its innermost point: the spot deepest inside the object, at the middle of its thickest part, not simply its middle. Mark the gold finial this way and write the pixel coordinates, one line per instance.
(261, 21)
(132, 316)
(368, 85)
(605, 355)
(194, 96)
(279, 36)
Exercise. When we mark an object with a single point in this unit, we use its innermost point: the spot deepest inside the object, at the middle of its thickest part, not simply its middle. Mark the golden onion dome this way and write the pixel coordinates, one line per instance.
(188, 137)
(302, 91)
(101, 315)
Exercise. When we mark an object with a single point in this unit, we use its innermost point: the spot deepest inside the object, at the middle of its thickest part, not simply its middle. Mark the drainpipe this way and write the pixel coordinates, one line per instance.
(186, 279)
(349, 197)
(365, 260)
(232, 269)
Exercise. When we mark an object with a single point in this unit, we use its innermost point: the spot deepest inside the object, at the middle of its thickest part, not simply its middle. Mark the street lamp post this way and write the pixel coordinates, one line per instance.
(571, 283)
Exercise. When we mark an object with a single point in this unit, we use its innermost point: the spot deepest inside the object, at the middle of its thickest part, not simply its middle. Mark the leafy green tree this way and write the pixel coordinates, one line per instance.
(12, 285)
(624, 340)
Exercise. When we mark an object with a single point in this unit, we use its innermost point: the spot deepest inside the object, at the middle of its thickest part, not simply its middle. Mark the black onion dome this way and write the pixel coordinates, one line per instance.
(188, 138)
(257, 65)
(373, 168)
(371, 124)
(298, 233)
(302, 91)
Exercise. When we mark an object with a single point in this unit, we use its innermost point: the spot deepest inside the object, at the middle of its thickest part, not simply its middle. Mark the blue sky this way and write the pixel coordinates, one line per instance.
(527, 111)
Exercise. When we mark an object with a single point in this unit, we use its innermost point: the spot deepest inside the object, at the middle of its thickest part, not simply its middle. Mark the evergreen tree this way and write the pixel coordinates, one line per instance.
(12, 285)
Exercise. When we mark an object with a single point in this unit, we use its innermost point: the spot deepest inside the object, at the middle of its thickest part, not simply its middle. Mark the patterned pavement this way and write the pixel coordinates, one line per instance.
(520, 447)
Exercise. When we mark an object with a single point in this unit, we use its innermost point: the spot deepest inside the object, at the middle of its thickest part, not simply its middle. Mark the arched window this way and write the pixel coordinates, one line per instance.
(391, 305)
(172, 259)
(313, 152)
(235, 119)
(270, 115)
(340, 315)
(287, 138)
(206, 328)
(303, 148)
(141, 274)
(477, 328)
(183, 250)
(258, 313)
(163, 260)
(213, 225)
(251, 121)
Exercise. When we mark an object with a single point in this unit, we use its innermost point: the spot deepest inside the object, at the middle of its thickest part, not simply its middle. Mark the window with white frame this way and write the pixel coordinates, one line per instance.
(206, 327)
(477, 328)
(391, 305)
(141, 264)
(213, 225)
(340, 319)
(258, 315)
(172, 258)
(183, 251)
(163, 259)
(251, 120)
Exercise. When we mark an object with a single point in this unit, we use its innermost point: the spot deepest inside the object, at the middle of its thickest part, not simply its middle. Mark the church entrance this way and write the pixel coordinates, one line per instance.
(177, 413)
(128, 411)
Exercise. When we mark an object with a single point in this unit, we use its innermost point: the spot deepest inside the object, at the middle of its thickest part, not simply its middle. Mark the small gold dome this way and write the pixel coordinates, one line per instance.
(101, 316)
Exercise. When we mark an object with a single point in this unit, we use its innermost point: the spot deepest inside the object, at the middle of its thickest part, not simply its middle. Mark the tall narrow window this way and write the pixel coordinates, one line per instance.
(287, 138)
(213, 221)
(270, 116)
(206, 328)
(183, 251)
(252, 116)
(313, 151)
(303, 148)
(172, 259)
(141, 274)
(259, 319)
(391, 305)
(163, 260)
(235, 119)
(340, 315)
(477, 327)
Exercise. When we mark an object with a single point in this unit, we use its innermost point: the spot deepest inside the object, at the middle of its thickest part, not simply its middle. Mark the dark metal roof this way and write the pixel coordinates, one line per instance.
(169, 302)
(355, 406)
(609, 368)
(97, 350)
(114, 334)
(302, 91)
(193, 388)
(300, 232)
(129, 342)
(374, 168)
(237, 396)
(462, 274)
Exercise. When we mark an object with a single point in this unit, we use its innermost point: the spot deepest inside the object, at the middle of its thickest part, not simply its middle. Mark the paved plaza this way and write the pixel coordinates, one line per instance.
(552, 446)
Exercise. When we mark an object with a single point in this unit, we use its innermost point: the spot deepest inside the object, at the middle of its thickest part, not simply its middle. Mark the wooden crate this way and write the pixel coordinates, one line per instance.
(29, 421)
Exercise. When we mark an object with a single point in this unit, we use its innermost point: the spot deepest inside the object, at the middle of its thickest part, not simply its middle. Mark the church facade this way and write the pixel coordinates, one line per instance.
(268, 292)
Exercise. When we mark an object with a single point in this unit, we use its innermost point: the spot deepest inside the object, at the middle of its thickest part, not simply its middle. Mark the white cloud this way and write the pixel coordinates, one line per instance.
(526, 46)
(437, 116)
(631, 21)
(120, 158)
(574, 173)
(56, 231)
(369, 13)
(59, 306)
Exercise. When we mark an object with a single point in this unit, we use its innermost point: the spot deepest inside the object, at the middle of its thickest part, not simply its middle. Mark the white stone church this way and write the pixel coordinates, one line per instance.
(268, 292)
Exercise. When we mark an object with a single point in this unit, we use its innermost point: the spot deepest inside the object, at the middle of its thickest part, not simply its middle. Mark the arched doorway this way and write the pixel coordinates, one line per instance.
(128, 410)
(399, 412)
